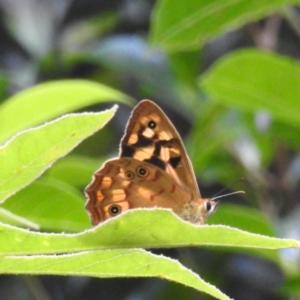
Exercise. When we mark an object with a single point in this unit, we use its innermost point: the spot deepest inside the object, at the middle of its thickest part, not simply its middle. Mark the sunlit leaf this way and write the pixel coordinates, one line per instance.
(51, 204)
(253, 80)
(46, 101)
(81, 168)
(107, 264)
(30, 153)
(187, 25)
(136, 228)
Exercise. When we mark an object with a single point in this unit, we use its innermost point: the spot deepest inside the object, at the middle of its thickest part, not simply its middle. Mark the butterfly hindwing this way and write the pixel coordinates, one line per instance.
(127, 183)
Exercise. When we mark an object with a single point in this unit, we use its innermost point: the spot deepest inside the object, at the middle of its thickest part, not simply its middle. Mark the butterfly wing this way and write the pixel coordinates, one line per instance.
(151, 137)
(126, 183)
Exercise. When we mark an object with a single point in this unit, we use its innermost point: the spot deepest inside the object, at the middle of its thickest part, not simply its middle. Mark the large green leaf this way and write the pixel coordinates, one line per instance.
(253, 80)
(81, 167)
(187, 25)
(291, 287)
(107, 264)
(30, 153)
(52, 204)
(46, 101)
(147, 228)
(104, 251)
(249, 219)
(8, 217)
(244, 218)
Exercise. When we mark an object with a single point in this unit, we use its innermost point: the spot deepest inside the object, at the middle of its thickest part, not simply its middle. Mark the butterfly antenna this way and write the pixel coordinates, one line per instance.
(226, 195)
(227, 187)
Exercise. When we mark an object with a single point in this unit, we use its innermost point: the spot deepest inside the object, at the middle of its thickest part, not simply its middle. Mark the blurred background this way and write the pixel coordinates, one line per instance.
(109, 42)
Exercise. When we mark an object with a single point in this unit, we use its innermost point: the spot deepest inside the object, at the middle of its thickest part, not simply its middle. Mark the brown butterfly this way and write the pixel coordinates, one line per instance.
(153, 170)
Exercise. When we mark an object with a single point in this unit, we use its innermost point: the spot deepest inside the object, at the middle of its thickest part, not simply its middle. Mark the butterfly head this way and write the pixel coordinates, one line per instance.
(197, 212)
(206, 208)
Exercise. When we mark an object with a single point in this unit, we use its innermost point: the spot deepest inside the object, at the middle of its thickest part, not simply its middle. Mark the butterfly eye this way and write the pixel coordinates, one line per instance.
(152, 124)
(142, 172)
(208, 206)
(114, 210)
(129, 175)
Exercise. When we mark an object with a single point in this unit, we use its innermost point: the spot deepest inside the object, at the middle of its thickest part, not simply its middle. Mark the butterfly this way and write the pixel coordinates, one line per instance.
(152, 170)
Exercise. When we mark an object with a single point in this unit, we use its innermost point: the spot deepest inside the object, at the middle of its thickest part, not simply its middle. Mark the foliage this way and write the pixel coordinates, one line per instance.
(243, 112)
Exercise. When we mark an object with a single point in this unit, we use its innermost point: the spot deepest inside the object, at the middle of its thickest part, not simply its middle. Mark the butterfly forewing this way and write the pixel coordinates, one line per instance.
(151, 137)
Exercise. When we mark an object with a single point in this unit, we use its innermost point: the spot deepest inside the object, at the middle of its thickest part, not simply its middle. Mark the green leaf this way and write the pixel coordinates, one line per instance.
(133, 229)
(12, 219)
(289, 133)
(244, 218)
(46, 101)
(212, 132)
(186, 66)
(187, 25)
(108, 242)
(81, 168)
(249, 219)
(4, 83)
(52, 204)
(107, 264)
(291, 287)
(253, 80)
(26, 156)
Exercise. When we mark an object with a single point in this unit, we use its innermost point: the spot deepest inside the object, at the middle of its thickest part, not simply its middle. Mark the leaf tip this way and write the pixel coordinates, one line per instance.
(296, 244)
